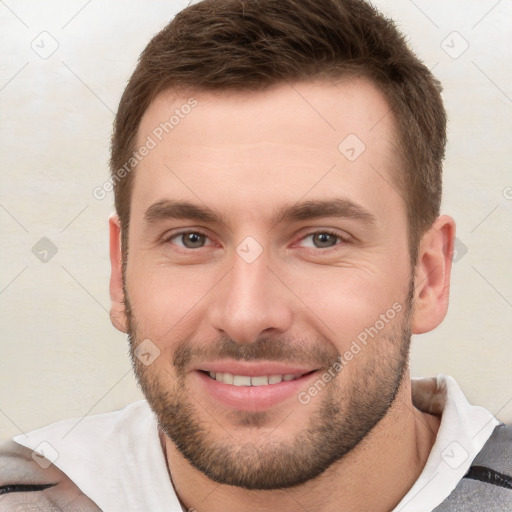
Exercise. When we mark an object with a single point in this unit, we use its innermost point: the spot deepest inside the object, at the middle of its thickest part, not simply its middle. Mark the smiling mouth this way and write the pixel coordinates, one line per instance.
(248, 381)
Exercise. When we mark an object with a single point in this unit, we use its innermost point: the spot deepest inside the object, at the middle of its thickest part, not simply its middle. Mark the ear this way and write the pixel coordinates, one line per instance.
(432, 275)
(117, 308)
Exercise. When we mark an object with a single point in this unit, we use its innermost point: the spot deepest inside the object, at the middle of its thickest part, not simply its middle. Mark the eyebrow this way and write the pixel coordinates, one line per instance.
(314, 209)
(168, 209)
(307, 210)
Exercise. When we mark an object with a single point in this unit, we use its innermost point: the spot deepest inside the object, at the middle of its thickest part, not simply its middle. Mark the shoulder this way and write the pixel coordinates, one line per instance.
(28, 482)
(498, 449)
(488, 483)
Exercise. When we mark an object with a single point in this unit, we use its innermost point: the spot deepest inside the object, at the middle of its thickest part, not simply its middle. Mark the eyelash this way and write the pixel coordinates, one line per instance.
(342, 239)
(181, 233)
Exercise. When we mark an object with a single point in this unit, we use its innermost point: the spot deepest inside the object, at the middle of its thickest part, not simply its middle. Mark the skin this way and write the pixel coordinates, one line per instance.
(246, 155)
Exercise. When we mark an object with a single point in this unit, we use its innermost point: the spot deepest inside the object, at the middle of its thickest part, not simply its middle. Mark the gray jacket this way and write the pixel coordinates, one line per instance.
(487, 486)
(25, 486)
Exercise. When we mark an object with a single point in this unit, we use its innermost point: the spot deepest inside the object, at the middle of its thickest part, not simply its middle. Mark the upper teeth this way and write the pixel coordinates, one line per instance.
(245, 380)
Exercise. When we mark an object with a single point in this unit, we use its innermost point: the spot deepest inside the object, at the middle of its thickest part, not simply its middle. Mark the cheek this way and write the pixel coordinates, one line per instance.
(163, 300)
(347, 303)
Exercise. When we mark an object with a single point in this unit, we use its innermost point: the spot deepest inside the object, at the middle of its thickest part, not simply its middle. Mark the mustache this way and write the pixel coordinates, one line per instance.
(317, 352)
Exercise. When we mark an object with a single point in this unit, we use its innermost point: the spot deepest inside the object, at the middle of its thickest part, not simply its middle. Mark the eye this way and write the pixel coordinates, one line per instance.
(189, 239)
(322, 240)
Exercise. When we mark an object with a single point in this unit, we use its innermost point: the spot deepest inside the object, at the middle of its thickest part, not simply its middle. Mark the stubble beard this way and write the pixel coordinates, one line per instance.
(344, 413)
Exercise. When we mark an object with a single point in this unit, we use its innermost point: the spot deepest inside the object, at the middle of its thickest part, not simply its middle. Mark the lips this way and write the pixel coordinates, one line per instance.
(247, 386)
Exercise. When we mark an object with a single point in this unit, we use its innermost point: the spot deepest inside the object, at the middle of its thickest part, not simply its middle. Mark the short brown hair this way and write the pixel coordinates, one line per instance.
(219, 45)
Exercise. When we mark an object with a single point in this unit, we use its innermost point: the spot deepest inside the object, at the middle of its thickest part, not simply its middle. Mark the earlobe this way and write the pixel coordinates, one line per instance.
(432, 275)
(117, 307)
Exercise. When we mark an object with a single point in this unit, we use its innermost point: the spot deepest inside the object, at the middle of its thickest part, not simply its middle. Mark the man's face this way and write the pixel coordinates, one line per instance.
(290, 252)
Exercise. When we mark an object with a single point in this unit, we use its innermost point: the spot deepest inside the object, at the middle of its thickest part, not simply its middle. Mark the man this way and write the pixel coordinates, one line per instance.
(277, 240)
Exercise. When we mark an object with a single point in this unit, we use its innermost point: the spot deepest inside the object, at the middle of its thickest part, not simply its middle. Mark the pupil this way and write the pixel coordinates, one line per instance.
(193, 240)
(325, 240)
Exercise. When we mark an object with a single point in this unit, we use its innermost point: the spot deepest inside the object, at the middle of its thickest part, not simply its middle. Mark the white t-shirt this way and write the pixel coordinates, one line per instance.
(117, 461)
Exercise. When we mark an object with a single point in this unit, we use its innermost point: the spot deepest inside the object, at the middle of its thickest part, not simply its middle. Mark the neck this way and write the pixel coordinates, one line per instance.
(375, 475)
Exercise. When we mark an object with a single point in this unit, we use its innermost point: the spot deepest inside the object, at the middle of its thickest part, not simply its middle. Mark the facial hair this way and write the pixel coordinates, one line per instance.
(346, 410)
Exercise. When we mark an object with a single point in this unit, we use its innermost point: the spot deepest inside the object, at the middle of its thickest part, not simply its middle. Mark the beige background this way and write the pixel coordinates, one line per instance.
(60, 357)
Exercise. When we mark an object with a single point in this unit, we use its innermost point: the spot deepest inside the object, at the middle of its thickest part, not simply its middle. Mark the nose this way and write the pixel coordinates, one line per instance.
(250, 302)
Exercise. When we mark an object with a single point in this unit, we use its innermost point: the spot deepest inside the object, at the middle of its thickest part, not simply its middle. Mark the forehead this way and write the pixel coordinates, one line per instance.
(268, 146)
(292, 111)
